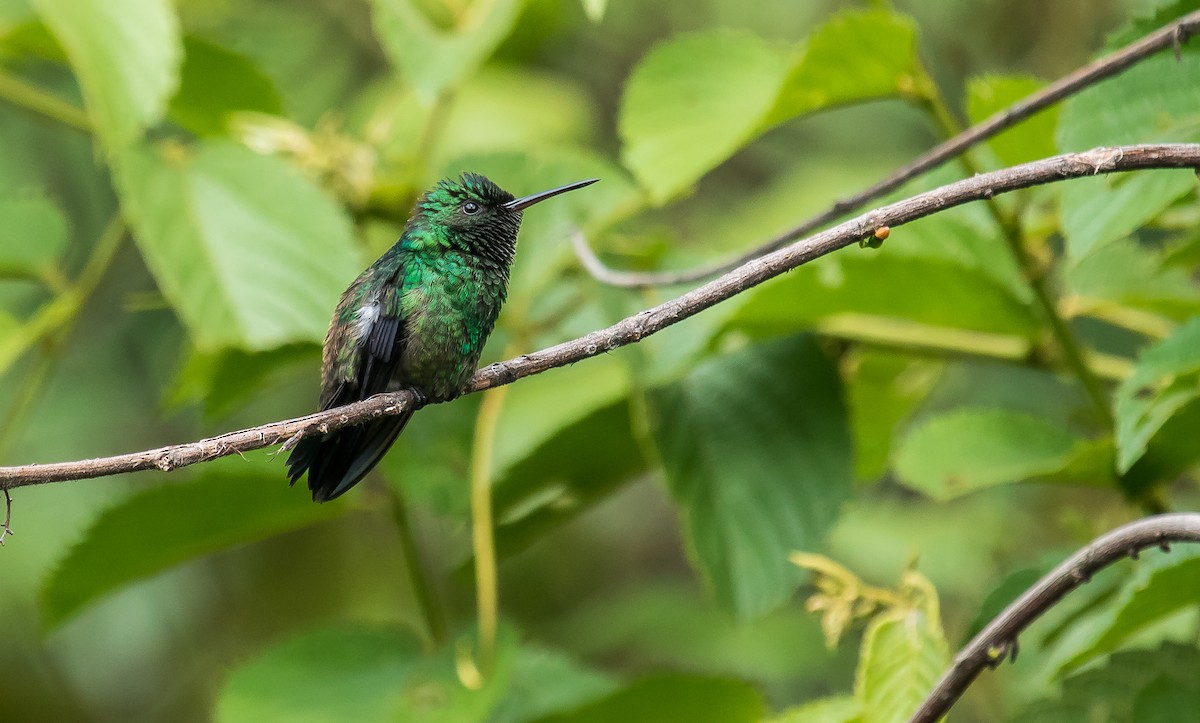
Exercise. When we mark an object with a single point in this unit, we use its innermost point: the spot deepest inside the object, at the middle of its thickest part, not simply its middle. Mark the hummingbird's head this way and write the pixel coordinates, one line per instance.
(474, 215)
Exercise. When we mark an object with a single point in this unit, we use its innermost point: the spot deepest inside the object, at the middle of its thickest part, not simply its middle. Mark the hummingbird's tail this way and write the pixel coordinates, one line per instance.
(337, 461)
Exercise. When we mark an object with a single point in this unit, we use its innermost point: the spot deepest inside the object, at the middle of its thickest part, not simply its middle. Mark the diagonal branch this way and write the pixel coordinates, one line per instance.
(637, 327)
(1169, 36)
(999, 638)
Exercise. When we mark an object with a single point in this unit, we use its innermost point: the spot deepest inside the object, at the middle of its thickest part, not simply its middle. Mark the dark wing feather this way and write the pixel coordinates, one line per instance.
(336, 461)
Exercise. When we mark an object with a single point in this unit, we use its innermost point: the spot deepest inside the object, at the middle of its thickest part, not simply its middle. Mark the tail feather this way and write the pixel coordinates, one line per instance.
(335, 462)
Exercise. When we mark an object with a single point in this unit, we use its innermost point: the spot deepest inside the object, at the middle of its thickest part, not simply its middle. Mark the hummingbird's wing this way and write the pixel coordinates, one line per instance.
(362, 352)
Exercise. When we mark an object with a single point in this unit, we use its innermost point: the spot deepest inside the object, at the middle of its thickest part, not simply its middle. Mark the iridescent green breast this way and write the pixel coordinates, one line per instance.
(449, 303)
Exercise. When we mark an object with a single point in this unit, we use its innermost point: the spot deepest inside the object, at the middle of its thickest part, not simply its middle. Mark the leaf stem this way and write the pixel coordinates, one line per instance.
(64, 307)
(419, 578)
(18, 92)
(483, 533)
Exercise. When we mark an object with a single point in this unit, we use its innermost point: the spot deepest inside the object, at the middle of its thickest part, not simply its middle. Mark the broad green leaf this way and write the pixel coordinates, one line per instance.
(126, 54)
(1166, 378)
(431, 462)
(250, 253)
(962, 451)
(1110, 693)
(757, 453)
(694, 101)
(216, 82)
(546, 681)
(35, 229)
(1029, 140)
(883, 390)
(1161, 587)
(565, 476)
(1157, 100)
(856, 56)
(1171, 451)
(224, 380)
(1164, 699)
(903, 655)
(1116, 281)
(838, 709)
(654, 625)
(537, 409)
(359, 674)
(435, 59)
(873, 295)
(673, 697)
(169, 525)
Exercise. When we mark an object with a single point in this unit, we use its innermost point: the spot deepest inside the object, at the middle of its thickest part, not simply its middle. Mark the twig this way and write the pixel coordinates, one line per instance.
(1169, 36)
(6, 530)
(637, 327)
(999, 638)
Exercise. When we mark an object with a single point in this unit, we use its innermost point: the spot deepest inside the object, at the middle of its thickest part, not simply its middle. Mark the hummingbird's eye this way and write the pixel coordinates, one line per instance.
(470, 208)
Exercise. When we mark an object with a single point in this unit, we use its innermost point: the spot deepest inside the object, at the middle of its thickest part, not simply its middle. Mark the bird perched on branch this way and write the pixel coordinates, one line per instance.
(415, 319)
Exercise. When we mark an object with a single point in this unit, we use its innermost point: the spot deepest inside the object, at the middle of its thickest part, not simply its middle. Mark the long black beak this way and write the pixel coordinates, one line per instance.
(524, 202)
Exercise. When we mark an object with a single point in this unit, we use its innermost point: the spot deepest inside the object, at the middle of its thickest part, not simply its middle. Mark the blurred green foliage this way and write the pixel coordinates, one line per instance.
(186, 187)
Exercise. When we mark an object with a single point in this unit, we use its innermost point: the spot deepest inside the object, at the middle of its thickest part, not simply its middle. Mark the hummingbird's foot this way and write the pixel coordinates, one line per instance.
(419, 398)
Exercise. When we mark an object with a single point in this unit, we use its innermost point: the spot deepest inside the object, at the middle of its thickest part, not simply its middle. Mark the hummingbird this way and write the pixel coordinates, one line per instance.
(416, 319)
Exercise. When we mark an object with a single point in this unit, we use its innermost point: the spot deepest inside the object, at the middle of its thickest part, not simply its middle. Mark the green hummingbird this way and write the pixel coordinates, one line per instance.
(416, 319)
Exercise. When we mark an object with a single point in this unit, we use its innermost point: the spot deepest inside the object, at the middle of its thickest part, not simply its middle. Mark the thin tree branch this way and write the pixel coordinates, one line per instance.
(999, 639)
(1169, 36)
(639, 326)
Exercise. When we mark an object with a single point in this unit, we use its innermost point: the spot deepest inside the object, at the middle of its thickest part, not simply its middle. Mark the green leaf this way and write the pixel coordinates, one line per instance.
(965, 450)
(1110, 693)
(855, 56)
(537, 409)
(838, 709)
(224, 380)
(883, 390)
(37, 229)
(1123, 275)
(1029, 140)
(166, 526)
(362, 675)
(692, 102)
(545, 681)
(1161, 587)
(216, 82)
(565, 476)
(126, 55)
(757, 453)
(673, 697)
(1164, 698)
(903, 656)
(1166, 378)
(249, 252)
(434, 59)
(875, 296)
(1153, 101)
